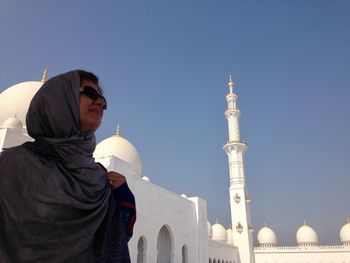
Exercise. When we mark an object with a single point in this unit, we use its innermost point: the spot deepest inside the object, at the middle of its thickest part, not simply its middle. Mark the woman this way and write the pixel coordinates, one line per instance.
(56, 203)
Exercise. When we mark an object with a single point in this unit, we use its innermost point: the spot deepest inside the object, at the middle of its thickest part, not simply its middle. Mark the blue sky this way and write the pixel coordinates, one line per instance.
(164, 66)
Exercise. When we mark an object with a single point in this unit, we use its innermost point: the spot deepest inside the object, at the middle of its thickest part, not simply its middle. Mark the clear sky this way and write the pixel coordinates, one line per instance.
(164, 66)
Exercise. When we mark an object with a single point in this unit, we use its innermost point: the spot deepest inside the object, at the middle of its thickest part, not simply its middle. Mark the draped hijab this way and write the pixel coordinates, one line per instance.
(55, 204)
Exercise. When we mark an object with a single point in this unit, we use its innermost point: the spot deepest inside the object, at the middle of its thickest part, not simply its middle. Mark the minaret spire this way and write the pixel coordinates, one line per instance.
(230, 84)
(43, 79)
(239, 203)
(118, 130)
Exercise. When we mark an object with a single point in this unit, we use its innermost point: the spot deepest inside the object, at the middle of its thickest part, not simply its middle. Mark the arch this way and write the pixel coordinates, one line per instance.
(210, 260)
(214, 261)
(141, 250)
(165, 245)
(184, 253)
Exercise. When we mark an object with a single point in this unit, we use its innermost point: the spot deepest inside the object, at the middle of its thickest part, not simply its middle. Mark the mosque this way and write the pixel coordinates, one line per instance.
(173, 228)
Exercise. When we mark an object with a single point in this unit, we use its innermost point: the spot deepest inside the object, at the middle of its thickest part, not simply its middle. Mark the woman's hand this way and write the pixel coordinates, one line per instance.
(115, 179)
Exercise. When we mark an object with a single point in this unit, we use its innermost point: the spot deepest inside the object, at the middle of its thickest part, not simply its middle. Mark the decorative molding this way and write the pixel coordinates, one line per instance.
(231, 96)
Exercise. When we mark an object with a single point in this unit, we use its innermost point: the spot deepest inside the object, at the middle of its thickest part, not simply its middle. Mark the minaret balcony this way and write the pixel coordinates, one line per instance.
(237, 146)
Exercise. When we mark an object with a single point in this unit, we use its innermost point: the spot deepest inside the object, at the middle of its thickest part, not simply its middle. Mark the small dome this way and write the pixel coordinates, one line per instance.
(120, 147)
(16, 100)
(219, 233)
(345, 233)
(146, 178)
(229, 236)
(306, 236)
(13, 123)
(183, 195)
(266, 237)
(210, 231)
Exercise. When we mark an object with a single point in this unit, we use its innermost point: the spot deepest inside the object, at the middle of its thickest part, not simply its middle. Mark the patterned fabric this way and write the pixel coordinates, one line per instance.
(111, 243)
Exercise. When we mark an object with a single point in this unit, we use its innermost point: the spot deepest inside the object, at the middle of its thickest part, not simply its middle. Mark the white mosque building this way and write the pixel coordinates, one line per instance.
(173, 228)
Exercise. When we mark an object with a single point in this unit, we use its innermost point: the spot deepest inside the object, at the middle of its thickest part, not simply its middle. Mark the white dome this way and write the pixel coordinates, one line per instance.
(345, 233)
(120, 147)
(219, 233)
(16, 99)
(13, 123)
(306, 235)
(183, 195)
(229, 236)
(266, 237)
(210, 231)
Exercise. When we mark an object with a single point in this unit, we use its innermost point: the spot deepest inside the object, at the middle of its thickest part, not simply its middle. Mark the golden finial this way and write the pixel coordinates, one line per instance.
(43, 79)
(230, 84)
(304, 222)
(348, 219)
(118, 131)
(265, 225)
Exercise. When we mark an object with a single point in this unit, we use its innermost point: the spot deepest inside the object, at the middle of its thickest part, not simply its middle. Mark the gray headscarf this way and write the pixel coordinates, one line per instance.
(54, 199)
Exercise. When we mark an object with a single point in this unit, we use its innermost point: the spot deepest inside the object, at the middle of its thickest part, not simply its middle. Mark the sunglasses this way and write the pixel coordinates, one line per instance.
(93, 94)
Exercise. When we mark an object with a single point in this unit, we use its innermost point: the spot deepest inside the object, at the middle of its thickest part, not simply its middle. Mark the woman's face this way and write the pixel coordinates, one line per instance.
(91, 111)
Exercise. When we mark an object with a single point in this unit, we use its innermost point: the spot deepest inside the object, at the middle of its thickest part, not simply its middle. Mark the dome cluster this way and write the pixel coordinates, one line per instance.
(218, 232)
(306, 236)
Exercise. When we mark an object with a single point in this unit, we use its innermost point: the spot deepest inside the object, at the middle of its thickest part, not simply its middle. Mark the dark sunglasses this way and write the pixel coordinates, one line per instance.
(93, 94)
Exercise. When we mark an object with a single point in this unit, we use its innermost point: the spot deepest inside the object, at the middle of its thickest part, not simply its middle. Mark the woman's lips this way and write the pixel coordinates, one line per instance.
(95, 110)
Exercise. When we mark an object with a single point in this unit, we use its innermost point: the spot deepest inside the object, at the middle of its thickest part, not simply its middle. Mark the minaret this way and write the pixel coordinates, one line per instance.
(239, 199)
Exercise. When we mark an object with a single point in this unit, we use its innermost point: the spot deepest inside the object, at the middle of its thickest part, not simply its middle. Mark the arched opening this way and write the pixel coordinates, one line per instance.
(164, 246)
(141, 250)
(210, 260)
(214, 260)
(184, 254)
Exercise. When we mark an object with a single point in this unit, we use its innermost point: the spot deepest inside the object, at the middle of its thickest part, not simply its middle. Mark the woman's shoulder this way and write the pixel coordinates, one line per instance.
(13, 157)
(13, 152)
(18, 157)
(13, 163)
